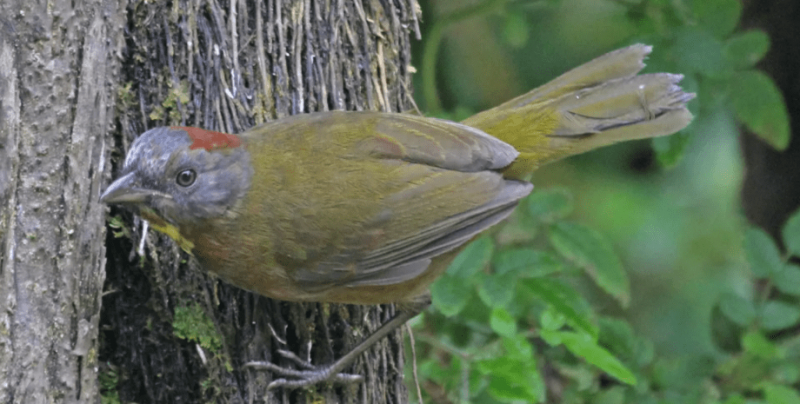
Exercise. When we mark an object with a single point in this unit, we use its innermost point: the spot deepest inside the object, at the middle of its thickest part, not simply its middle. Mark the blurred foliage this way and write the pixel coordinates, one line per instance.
(629, 281)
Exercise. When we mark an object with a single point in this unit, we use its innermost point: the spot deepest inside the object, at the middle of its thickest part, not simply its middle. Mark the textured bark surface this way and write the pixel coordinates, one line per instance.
(57, 94)
(227, 66)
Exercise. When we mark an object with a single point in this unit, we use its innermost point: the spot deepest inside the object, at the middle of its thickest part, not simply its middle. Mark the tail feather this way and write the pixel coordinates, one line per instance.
(618, 102)
(596, 104)
(621, 63)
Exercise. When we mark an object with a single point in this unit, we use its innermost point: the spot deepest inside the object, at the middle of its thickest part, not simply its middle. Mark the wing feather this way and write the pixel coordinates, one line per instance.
(426, 186)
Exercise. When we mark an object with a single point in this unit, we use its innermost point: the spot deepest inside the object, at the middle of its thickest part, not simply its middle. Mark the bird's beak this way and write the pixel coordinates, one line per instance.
(125, 191)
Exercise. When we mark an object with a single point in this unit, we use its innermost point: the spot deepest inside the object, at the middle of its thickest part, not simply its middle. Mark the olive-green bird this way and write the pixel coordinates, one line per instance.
(371, 207)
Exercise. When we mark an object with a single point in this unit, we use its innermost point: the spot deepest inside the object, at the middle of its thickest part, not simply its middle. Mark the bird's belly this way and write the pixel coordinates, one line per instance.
(273, 281)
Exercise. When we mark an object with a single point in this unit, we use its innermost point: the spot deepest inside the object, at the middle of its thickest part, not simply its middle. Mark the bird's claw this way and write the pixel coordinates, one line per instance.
(308, 377)
(314, 378)
(311, 375)
(296, 359)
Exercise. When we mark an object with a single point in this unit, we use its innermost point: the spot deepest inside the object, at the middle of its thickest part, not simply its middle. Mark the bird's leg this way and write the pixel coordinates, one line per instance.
(331, 373)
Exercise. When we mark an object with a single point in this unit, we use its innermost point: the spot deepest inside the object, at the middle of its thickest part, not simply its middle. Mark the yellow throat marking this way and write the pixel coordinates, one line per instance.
(162, 226)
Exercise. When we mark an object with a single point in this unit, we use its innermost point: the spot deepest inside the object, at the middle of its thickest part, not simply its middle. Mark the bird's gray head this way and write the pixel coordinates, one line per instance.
(183, 174)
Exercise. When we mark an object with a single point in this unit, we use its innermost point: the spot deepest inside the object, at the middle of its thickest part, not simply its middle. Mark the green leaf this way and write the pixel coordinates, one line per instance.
(477, 382)
(518, 346)
(746, 49)
(670, 149)
(756, 344)
(762, 253)
(513, 378)
(552, 338)
(776, 315)
(510, 389)
(583, 346)
(718, 16)
(432, 370)
(497, 290)
(791, 234)
(473, 259)
(526, 262)
(550, 204)
(591, 251)
(788, 280)
(502, 323)
(620, 339)
(552, 320)
(740, 310)
(450, 294)
(566, 301)
(758, 103)
(699, 51)
(515, 30)
(778, 394)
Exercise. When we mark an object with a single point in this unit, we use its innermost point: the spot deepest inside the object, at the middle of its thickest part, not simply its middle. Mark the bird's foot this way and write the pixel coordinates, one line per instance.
(309, 376)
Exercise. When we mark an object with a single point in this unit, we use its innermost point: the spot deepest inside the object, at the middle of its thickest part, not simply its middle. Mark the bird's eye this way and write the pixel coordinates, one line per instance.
(186, 178)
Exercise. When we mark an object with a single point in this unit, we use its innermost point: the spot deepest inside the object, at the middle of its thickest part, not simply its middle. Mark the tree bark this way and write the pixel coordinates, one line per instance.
(171, 333)
(78, 82)
(57, 97)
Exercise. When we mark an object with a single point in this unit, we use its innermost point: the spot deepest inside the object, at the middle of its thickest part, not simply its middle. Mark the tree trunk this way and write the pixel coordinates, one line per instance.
(171, 333)
(78, 82)
(58, 65)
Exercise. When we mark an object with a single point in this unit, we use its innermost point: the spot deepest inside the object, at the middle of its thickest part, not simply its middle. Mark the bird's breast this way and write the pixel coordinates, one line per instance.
(240, 261)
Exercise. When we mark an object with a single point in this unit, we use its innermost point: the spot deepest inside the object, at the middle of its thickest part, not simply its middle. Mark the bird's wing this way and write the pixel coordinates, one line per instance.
(408, 257)
(437, 188)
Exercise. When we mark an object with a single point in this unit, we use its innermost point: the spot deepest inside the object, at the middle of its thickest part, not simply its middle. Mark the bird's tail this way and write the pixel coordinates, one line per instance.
(596, 104)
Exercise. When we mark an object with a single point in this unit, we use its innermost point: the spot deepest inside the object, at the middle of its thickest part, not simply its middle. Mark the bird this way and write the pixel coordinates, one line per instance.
(370, 207)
